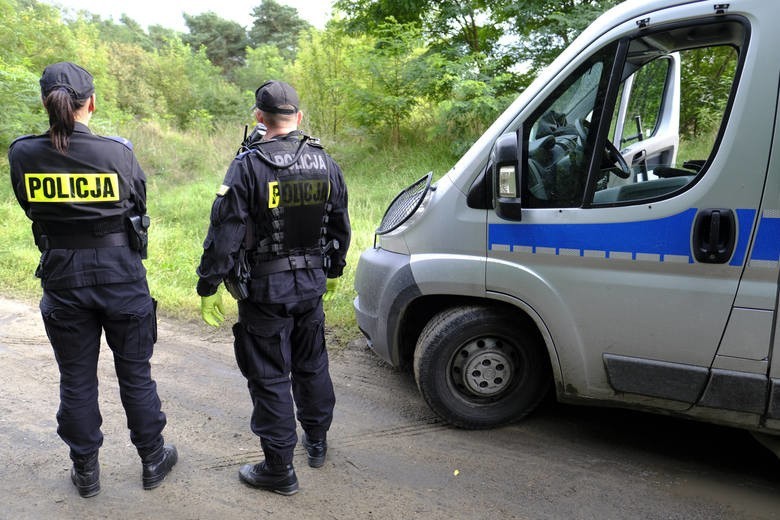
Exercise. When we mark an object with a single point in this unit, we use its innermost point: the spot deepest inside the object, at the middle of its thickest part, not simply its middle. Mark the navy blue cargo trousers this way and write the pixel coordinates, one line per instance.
(280, 349)
(74, 320)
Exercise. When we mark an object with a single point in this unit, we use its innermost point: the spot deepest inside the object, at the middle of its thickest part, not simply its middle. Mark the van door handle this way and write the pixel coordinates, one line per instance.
(714, 235)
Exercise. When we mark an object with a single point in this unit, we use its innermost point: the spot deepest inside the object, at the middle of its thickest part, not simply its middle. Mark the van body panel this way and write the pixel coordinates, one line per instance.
(387, 287)
(741, 364)
(764, 268)
(747, 335)
(629, 307)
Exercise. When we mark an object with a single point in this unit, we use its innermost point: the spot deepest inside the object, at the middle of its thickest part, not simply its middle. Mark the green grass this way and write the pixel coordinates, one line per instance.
(184, 171)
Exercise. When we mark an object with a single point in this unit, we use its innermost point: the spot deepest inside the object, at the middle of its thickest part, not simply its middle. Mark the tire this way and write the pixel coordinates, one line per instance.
(478, 367)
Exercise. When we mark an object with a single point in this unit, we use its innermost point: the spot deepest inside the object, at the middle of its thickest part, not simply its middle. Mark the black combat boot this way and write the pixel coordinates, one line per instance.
(85, 474)
(316, 449)
(277, 478)
(158, 464)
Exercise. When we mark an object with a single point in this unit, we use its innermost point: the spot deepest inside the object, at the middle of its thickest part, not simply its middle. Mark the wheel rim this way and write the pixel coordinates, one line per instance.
(483, 368)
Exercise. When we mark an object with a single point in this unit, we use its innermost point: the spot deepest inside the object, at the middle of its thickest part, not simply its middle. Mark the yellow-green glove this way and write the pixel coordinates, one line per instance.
(330, 289)
(211, 309)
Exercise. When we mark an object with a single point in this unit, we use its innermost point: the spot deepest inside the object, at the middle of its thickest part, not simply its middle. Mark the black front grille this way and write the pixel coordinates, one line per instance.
(404, 205)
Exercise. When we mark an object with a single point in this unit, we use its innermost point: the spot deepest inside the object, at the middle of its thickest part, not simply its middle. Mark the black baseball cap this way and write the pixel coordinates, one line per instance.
(272, 96)
(69, 76)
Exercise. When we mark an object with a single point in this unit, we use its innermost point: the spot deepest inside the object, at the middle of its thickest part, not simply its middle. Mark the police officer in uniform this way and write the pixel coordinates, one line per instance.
(280, 216)
(86, 197)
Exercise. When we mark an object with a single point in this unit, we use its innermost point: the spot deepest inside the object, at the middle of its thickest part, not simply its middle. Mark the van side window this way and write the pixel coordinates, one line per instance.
(556, 137)
(639, 116)
(670, 108)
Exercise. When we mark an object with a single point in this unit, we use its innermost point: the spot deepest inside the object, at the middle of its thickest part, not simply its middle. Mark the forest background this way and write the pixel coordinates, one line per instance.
(393, 88)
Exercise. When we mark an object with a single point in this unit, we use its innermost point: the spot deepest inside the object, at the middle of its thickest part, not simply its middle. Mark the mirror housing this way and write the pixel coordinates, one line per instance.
(506, 177)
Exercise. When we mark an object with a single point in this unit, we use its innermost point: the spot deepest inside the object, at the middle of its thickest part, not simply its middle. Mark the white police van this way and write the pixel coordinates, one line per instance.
(580, 243)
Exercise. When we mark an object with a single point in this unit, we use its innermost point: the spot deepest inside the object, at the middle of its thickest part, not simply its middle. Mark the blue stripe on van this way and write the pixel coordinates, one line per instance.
(661, 238)
(767, 246)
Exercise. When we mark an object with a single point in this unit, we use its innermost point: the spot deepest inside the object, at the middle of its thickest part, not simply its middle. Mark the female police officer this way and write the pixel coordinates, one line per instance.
(80, 190)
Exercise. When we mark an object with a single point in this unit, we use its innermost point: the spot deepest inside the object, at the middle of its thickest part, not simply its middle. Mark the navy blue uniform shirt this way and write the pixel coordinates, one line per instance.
(89, 190)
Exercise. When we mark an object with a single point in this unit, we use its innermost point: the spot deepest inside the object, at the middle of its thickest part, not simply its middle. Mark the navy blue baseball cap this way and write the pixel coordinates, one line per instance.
(276, 97)
(67, 75)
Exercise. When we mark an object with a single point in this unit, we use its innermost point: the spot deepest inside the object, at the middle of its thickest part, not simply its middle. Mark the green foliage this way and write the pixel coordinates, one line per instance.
(131, 71)
(473, 106)
(364, 16)
(189, 83)
(128, 31)
(332, 58)
(172, 84)
(262, 63)
(278, 25)
(33, 35)
(225, 41)
(160, 35)
(19, 94)
(545, 28)
(386, 101)
(458, 25)
(707, 75)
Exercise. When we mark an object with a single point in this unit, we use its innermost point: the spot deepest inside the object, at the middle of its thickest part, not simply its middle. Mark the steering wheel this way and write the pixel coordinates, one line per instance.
(613, 157)
(612, 160)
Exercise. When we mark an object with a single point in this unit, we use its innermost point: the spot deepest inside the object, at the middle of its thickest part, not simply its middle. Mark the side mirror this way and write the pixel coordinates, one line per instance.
(506, 177)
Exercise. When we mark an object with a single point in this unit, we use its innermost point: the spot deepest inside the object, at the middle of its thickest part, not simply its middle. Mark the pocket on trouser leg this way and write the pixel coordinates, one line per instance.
(261, 352)
(132, 333)
(68, 333)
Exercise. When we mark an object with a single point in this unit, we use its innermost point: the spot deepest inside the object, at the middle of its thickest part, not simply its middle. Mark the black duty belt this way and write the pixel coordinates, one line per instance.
(286, 263)
(82, 241)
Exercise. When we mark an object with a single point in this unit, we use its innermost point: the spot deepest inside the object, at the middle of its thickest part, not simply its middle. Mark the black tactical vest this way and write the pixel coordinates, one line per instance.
(298, 189)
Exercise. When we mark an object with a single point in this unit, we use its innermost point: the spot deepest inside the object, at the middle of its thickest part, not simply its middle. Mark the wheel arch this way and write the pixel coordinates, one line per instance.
(421, 310)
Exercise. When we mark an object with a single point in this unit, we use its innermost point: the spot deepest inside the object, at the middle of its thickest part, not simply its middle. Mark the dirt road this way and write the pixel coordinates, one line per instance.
(389, 457)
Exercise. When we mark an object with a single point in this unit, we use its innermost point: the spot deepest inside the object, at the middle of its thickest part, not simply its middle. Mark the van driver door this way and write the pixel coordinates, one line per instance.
(634, 273)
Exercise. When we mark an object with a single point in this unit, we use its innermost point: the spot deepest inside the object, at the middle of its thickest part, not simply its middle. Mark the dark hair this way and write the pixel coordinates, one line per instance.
(61, 107)
(276, 120)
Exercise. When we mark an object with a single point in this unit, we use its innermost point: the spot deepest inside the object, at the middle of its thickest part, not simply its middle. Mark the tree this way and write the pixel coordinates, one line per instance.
(134, 73)
(160, 36)
(707, 77)
(542, 29)
(194, 90)
(392, 91)
(463, 23)
(460, 31)
(262, 63)
(278, 25)
(365, 16)
(335, 59)
(225, 41)
(128, 31)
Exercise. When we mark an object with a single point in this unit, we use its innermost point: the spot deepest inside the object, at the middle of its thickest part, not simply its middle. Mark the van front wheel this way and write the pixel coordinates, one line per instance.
(477, 367)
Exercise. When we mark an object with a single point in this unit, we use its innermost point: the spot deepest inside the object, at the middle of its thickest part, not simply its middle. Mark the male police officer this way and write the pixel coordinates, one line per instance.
(283, 208)
(86, 197)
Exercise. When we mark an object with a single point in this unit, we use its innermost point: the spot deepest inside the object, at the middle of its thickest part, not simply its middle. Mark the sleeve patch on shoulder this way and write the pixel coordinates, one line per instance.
(222, 190)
